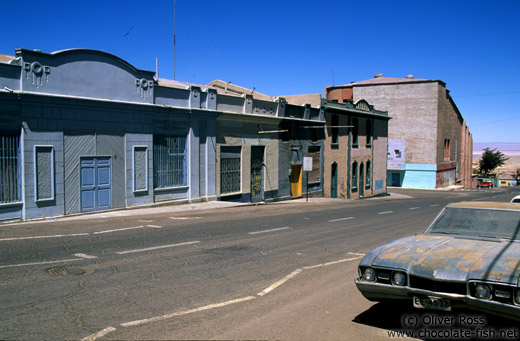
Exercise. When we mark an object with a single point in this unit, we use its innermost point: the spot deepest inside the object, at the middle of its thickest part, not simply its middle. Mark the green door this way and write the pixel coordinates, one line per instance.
(334, 180)
(361, 181)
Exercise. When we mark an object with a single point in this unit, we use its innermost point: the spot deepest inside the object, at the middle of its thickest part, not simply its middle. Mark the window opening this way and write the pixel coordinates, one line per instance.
(9, 168)
(354, 176)
(230, 169)
(169, 161)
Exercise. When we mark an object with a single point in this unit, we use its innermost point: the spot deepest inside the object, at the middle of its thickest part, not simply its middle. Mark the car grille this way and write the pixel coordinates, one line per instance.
(438, 286)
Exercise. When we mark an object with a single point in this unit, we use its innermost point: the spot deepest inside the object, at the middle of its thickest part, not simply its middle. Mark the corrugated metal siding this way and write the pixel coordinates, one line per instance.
(202, 157)
(75, 146)
(114, 145)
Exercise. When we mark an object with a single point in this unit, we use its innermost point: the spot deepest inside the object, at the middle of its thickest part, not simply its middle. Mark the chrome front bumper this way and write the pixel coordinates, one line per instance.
(381, 292)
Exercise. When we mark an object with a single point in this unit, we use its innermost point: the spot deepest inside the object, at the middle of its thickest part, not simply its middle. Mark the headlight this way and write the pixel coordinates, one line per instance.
(517, 296)
(483, 291)
(369, 275)
(399, 278)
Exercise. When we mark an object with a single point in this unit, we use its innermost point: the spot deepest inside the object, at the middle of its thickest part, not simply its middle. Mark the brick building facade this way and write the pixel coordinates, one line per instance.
(429, 143)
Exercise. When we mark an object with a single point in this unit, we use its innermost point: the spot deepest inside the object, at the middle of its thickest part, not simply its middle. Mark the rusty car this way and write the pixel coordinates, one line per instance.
(469, 257)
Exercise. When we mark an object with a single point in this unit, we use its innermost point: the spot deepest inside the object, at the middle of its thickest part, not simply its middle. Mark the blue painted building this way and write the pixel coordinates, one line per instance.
(83, 130)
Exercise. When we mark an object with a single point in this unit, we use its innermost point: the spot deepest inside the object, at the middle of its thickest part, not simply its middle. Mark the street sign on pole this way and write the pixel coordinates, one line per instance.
(307, 163)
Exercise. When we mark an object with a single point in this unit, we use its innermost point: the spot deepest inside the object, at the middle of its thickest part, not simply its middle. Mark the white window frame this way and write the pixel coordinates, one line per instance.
(52, 173)
(134, 189)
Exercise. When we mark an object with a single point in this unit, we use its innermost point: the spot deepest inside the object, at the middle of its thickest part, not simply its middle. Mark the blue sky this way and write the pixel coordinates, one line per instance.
(296, 47)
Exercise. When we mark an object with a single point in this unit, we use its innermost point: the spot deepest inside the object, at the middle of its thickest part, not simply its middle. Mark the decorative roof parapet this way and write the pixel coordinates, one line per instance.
(361, 107)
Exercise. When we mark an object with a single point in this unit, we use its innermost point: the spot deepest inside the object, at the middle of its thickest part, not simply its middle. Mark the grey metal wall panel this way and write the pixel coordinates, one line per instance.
(114, 146)
(75, 146)
(203, 133)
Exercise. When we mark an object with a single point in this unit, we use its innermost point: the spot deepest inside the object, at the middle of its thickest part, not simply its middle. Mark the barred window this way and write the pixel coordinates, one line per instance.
(9, 167)
(229, 170)
(169, 161)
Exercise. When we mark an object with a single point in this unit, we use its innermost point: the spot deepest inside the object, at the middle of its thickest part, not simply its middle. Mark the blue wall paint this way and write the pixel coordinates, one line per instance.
(85, 73)
(88, 103)
(415, 176)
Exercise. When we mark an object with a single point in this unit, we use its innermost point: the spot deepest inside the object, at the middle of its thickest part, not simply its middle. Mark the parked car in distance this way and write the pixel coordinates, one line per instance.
(468, 257)
(516, 199)
(485, 184)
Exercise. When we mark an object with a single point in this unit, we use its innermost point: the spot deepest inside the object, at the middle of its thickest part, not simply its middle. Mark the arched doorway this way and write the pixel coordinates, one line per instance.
(334, 180)
(361, 180)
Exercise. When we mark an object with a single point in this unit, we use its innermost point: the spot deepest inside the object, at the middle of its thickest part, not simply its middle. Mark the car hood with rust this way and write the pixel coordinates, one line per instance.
(450, 258)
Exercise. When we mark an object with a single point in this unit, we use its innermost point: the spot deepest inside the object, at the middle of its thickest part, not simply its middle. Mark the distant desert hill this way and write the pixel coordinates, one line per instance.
(510, 150)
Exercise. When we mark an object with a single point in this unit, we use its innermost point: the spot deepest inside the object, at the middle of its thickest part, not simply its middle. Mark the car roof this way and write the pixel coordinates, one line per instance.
(487, 204)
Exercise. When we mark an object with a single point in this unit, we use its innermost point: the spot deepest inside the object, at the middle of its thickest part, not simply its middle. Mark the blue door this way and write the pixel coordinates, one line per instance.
(96, 184)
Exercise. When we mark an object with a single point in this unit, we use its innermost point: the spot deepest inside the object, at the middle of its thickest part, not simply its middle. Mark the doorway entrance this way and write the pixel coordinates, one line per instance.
(296, 180)
(96, 183)
(334, 180)
(257, 174)
(361, 180)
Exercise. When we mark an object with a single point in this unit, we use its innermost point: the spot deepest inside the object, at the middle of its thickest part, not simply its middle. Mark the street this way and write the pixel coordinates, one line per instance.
(272, 271)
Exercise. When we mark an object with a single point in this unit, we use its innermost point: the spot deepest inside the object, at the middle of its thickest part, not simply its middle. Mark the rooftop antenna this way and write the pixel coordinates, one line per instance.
(174, 8)
(333, 82)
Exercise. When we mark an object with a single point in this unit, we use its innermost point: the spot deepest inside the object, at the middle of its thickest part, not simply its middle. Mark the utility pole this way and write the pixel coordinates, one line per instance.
(174, 10)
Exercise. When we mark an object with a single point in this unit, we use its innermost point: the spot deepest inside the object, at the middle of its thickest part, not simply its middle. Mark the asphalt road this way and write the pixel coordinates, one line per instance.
(273, 271)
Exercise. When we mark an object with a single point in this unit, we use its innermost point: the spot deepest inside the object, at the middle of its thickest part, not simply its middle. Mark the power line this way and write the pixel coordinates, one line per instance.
(505, 119)
(489, 94)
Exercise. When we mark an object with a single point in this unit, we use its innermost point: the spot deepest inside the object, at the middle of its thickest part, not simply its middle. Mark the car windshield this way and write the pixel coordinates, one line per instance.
(478, 222)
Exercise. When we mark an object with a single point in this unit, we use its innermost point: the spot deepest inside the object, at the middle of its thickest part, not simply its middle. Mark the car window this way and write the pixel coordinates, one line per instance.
(478, 223)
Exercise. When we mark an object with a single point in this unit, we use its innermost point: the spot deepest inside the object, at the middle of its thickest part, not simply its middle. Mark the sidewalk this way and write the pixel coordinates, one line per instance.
(186, 207)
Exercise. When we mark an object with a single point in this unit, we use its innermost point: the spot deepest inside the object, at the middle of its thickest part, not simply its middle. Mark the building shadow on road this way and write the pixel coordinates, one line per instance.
(402, 320)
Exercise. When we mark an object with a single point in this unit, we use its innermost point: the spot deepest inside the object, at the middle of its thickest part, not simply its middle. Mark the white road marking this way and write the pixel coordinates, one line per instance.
(340, 219)
(85, 256)
(105, 331)
(180, 313)
(119, 230)
(434, 205)
(331, 263)
(387, 212)
(280, 282)
(41, 263)
(356, 253)
(154, 226)
(44, 237)
(271, 230)
(184, 218)
(156, 247)
(414, 208)
(99, 334)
